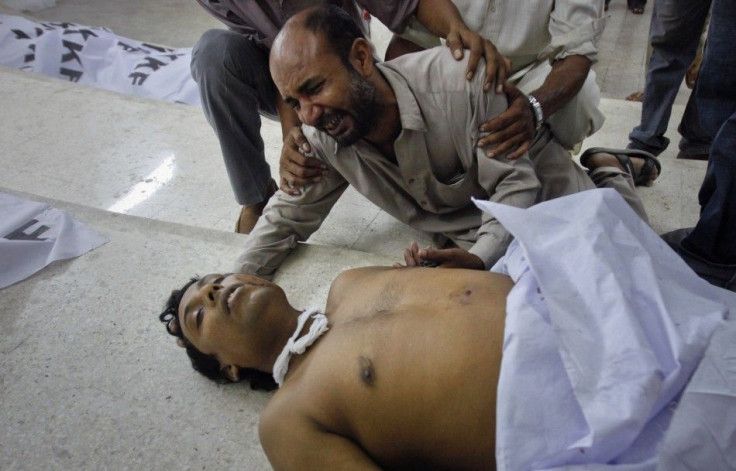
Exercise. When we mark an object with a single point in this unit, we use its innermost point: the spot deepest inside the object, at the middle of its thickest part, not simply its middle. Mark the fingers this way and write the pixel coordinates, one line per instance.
(411, 255)
(455, 43)
(524, 147)
(474, 45)
(512, 130)
(297, 136)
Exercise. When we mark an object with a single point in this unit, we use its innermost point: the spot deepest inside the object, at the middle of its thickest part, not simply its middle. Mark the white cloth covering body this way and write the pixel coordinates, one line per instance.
(605, 326)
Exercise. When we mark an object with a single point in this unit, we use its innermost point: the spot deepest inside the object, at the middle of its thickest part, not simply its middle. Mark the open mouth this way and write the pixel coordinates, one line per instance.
(227, 296)
(332, 124)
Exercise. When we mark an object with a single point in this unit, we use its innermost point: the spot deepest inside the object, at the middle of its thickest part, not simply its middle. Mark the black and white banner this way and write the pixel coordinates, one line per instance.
(97, 57)
(33, 234)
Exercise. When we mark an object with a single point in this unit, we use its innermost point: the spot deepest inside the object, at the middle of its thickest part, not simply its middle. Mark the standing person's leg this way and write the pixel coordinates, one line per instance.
(674, 32)
(695, 141)
(235, 85)
(710, 248)
(714, 237)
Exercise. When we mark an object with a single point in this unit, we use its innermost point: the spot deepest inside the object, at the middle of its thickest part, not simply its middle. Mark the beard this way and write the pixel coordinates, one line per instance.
(363, 111)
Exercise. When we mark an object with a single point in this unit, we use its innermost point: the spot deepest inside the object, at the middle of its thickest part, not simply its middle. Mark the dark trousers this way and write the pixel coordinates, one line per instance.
(714, 237)
(236, 88)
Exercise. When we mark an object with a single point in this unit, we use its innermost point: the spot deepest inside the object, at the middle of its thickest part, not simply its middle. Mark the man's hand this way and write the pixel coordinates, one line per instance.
(497, 66)
(295, 168)
(512, 129)
(442, 258)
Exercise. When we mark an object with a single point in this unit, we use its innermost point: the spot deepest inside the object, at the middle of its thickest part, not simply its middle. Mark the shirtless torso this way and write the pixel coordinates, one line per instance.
(404, 379)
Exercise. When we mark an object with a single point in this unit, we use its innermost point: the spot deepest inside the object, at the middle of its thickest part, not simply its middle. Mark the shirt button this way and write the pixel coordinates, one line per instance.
(411, 181)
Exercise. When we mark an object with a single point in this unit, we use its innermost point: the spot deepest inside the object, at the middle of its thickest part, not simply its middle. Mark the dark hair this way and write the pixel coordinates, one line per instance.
(208, 365)
(339, 28)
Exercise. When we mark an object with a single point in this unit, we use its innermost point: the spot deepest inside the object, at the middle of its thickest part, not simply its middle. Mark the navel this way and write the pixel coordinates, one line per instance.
(366, 371)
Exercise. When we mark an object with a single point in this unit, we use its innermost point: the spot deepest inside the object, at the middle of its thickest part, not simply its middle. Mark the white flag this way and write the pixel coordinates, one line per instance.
(32, 235)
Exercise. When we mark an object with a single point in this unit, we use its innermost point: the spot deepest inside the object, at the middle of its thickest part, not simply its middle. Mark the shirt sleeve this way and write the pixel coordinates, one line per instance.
(395, 14)
(576, 27)
(287, 220)
(511, 182)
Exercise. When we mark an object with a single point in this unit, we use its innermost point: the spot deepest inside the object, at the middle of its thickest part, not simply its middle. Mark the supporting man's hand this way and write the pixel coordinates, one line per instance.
(497, 66)
(442, 258)
(512, 130)
(295, 168)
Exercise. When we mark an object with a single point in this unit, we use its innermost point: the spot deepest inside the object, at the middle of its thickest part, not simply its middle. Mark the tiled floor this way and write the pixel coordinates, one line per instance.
(88, 380)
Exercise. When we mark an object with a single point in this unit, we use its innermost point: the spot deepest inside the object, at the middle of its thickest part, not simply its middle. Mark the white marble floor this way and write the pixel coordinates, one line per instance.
(88, 379)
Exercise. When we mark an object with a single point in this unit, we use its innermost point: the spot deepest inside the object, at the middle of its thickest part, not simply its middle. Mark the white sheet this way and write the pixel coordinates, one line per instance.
(32, 235)
(604, 328)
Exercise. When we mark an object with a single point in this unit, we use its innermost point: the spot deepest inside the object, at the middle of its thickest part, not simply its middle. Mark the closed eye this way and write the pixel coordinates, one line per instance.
(199, 316)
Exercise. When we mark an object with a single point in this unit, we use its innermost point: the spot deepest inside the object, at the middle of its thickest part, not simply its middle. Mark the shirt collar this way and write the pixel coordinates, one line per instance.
(411, 115)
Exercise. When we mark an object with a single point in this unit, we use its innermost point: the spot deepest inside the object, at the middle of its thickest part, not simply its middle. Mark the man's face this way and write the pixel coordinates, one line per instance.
(220, 314)
(325, 92)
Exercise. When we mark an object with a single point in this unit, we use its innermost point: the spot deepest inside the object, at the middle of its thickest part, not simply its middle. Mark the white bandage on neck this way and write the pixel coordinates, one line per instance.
(297, 346)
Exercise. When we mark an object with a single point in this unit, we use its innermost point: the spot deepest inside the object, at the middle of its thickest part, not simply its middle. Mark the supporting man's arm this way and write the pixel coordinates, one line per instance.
(514, 129)
(442, 18)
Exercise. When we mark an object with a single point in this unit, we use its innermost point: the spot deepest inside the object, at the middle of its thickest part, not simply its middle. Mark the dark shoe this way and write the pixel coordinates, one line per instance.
(249, 214)
(717, 274)
(693, 151)
(623, 156)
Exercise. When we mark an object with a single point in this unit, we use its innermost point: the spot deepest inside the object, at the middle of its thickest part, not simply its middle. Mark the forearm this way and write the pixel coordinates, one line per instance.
(287, 220)
(563, 83)
(439, 16)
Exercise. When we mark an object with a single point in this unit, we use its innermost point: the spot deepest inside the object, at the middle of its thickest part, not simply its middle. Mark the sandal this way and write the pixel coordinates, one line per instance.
(623, 156)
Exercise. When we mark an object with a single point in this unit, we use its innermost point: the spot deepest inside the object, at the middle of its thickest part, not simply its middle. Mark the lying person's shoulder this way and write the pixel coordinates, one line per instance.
(436, 70)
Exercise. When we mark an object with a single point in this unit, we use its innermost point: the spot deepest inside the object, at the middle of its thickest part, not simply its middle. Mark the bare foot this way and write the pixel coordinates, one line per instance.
(603, 159)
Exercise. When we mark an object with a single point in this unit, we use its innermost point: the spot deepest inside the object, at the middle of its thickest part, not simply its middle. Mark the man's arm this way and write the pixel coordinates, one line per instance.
(575, 26)
(514, 129)
(287, 220)
(293, 441)
(442, 18)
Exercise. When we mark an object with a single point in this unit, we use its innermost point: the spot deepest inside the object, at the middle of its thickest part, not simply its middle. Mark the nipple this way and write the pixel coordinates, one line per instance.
(367, 373)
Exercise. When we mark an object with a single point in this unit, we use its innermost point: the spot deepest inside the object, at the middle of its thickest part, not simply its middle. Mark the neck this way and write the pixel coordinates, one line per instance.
(288, 326)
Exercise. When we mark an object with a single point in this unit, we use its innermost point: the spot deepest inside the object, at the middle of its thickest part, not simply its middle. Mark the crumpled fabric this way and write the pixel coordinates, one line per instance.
(605, 325)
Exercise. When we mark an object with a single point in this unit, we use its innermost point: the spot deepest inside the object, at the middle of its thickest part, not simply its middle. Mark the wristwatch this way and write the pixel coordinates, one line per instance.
(537, 110)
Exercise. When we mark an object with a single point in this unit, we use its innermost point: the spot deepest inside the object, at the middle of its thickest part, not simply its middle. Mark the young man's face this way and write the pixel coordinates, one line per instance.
(325, 92)
(220, 315)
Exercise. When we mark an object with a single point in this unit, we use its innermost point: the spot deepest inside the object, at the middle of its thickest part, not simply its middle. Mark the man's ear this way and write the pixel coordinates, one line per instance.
(361, 56)
(231, 372)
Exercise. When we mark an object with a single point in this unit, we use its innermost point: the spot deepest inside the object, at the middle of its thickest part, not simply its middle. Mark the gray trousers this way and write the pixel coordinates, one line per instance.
(236, 88)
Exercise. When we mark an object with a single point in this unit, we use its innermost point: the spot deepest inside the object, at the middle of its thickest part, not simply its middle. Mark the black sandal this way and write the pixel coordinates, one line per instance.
(623, 156)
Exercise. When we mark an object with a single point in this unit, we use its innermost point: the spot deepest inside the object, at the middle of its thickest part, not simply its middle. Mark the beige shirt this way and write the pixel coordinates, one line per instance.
(438, 169)
(527, 31)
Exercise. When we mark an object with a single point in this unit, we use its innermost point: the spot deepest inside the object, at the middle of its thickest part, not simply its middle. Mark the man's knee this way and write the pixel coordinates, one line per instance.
(219, 49)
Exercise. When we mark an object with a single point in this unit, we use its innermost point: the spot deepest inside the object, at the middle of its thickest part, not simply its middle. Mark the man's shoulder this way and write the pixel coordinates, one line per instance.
(434, 71)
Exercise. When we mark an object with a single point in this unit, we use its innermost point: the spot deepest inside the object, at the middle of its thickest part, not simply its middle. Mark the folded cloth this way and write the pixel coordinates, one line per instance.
(604, 327)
